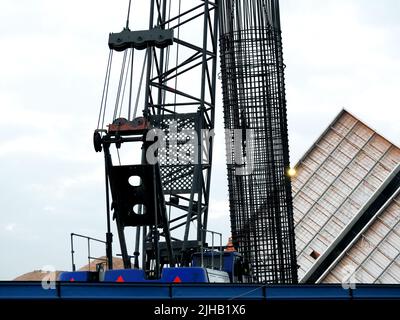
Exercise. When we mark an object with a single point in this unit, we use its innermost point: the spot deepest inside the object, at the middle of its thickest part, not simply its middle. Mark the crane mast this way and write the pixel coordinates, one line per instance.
(165, 195)
(179, 81)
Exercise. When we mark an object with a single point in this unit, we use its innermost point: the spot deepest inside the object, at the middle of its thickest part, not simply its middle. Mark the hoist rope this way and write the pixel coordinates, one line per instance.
(104, 95)
(140, 86)
(125, 81)
(121, 79)
(130, 85)
(119, 158)
(129, 13)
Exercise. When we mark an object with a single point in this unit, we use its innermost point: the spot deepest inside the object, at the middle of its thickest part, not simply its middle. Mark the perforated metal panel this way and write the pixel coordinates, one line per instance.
(177, 162)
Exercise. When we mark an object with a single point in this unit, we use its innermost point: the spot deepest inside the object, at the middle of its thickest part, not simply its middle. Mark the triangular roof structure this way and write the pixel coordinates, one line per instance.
(348, 177)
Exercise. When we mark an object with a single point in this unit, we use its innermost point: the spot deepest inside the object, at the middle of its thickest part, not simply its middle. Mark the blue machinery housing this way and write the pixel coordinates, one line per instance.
(102, 291)
(169, 275)
(191, 283)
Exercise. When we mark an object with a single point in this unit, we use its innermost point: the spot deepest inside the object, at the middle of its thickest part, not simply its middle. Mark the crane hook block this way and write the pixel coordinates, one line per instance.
(156, 37)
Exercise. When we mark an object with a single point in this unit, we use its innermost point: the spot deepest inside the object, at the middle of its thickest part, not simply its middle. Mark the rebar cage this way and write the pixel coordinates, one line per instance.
(252, 72)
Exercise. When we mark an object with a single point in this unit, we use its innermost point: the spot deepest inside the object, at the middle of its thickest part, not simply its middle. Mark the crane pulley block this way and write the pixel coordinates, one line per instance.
(123, 126)
(143, 39)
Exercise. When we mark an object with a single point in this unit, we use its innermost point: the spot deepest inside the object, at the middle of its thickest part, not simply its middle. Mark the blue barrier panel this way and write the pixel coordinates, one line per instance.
(216, 291)
(26, 290)
(307, 292)
(75, 276)
(365, 292)
(114, 291)
(177, 275)
(125, 275)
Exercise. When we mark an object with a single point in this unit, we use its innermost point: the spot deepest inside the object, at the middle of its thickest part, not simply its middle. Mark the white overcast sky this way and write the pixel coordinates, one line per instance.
(339, 54)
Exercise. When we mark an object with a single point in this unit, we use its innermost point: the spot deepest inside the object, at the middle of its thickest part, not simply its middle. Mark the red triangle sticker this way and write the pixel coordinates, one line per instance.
(177, 280)
(120, 279)
(72, 280)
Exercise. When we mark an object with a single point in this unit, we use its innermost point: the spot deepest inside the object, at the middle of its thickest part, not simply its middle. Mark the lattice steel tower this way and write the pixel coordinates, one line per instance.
(166, 203)
(258, 153)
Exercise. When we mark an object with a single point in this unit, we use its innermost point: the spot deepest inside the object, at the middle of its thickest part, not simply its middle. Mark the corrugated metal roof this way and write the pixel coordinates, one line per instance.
(374, 256)
(335, 179)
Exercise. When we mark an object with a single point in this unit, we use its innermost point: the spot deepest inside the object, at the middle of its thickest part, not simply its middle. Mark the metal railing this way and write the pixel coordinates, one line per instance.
(221, 253)
(88, 249)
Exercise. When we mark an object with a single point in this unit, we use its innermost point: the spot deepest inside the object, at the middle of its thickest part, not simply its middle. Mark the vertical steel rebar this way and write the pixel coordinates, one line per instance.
(260, 197)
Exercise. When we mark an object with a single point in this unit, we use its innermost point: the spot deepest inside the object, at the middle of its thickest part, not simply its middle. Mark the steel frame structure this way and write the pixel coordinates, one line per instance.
(254, 99)
(185, 183)
(198, 110)
(175, 191)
